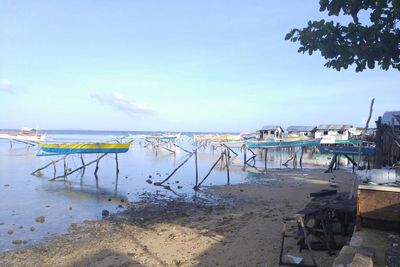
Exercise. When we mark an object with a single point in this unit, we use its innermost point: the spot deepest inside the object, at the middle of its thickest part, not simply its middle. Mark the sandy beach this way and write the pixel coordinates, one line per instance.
(242, 228)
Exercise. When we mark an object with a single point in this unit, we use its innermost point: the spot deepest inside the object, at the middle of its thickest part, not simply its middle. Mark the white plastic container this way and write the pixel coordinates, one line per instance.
(379, 176)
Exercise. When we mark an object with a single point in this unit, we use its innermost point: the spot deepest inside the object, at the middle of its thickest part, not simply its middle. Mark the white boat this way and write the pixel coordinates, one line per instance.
(30, 135)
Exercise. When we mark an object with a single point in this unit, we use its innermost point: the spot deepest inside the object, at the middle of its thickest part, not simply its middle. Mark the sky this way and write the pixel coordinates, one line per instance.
(174, 65)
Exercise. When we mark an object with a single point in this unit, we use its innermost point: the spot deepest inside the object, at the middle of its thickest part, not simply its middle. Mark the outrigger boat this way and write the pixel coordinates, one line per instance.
(351, 147)
(83, 148)
(165, 137)
(216, 137)
(29, 135)
(162, 136)
(284, 143)
(248, 136)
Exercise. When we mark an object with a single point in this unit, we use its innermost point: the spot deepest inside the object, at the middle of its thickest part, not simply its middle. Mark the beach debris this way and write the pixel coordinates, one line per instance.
(122, 200)
(1, 223)
(179, 187)
(32, 228)
(150, 176)
(39, 174)
(220, 207)
(149, 181)
(105, 213)
(70, 208)
(109, 199)
(126, 177)
(293, 259)
(360, 260)
(209, 209)
(10, 232)
(184, 213)
(177, 262)
(20, 227)
(40, 219)
(19, 242)
(203, 231)
(324, 192)
(6, 185)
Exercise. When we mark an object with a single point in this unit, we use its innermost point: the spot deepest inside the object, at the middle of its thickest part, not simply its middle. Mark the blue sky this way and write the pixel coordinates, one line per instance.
(175, 66)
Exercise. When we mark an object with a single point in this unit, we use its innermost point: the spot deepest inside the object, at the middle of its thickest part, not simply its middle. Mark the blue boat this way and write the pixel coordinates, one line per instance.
(283, 143)
(350, 150)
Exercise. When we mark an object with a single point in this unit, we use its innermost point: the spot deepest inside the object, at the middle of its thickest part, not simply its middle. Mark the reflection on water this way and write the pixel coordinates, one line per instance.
(25, 197)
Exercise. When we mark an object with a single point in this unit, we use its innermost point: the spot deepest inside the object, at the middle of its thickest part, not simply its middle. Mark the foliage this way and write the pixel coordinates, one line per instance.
(362, 44)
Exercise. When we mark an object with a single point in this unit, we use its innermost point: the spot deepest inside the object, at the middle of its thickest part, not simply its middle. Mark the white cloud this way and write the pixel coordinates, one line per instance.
(6, 86)
(119, 102)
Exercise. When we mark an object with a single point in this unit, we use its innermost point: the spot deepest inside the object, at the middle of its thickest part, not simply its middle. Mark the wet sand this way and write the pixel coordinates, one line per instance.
(242, 228)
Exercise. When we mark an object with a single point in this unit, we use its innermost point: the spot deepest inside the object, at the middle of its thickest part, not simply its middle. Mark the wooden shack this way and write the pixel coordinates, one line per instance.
(329, 133)
(270, 132)
(392, 118)
(307, 131)
(387, 139)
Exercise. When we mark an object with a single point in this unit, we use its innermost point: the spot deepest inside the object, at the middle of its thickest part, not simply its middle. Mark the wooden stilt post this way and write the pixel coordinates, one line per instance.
(97, 168)
(65, 168)
(295, 160)
(330, 168)
(353, 189)
(83, 163)
(116, 164)
(177, 168)
(10, 144)
(47, 165)
(116, 182)
(209, 172)
(301, 157)
(337, 162)
(244, 155)
(77, 169)
(227, 165)
(230, 149)
(265, 159)
(196, 166)
(54, 169)
(223, 156)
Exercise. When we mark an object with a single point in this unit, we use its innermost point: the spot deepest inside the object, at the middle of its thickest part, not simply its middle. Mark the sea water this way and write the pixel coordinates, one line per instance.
(24, 197)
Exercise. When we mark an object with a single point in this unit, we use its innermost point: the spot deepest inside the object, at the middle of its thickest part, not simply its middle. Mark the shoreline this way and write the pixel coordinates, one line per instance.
(242, 228)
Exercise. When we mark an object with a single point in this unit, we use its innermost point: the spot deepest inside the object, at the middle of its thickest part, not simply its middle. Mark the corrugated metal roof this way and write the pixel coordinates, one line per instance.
(301, 128)
(270, 127)
(336, 127)
(391, 118)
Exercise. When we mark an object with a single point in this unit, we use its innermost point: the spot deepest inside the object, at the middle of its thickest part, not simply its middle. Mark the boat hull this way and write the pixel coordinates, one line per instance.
(216, 138)
(23, 137)
(278, 144)
(351, 150)
(84, 148)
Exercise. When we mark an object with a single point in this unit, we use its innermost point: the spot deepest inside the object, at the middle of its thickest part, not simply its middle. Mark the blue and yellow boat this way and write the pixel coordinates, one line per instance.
(83, 148)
